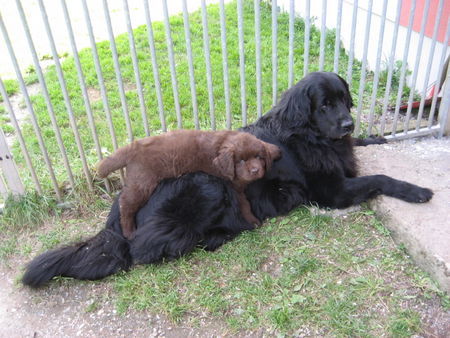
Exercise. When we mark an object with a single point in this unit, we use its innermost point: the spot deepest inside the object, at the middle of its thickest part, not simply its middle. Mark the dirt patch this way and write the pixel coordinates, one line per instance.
(94, 94)
(78, 309)
(272, 267)
(129, 87)
(20, 109)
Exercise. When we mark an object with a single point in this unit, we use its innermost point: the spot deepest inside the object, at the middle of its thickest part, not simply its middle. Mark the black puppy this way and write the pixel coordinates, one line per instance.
(312, 126)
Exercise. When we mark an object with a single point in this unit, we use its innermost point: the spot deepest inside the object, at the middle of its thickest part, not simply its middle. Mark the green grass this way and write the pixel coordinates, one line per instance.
(5, 121)
(11, 86)
(24, 213)
(301, 274)
(330, 275)
(28, 210)
(404, 324)
(143, 53)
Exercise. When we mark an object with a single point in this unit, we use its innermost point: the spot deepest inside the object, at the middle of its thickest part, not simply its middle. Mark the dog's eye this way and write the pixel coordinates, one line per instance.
(325, 104)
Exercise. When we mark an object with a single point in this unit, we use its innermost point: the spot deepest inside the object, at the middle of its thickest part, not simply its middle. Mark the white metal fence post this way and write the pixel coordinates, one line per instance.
(9, 169)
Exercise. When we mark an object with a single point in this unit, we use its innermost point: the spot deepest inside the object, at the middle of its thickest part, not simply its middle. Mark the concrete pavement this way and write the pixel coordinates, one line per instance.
(424, 229)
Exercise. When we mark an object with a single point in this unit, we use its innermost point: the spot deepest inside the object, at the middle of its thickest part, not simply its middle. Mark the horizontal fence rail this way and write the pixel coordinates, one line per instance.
(132, 70)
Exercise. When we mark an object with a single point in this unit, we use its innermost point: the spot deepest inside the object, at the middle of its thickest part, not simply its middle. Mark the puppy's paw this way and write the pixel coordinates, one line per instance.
(256, 223)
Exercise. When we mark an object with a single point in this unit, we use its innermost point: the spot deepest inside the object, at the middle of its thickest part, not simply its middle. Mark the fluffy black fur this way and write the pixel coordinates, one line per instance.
(311, 124)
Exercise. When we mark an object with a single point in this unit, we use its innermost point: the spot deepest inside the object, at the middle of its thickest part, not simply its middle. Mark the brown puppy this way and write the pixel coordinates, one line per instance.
(237, 156)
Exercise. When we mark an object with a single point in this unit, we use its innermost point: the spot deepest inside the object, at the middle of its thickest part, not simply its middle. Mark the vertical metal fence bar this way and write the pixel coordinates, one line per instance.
(416, 67)
(362, 83)
(390, 68)
(274, 51)
(135, 62)
(101, 82)
(337, 42)
(19, 135)
(258, 56)
(187, 36)
(242, 61)
(444, 108)
(291, 42)
(441, 69)
(3, 188)
(403, 71)
(429, 64)
(44, 89)
(377, 68)
(323, 35)
(117, 71)
(307, 36)
(226, 85)
(9, 169)
(29, 105)
(351, 53)
(98, 70)
(173, 73)
(155, 68)
(208, 66)
(82, 83)
(65, 93)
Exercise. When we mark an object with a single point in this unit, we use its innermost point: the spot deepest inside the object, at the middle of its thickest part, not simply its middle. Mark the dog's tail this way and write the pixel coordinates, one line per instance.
(98, 257)
(117, 160)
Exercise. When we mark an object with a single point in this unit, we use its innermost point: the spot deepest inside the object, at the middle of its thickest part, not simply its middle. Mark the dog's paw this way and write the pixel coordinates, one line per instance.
(419, 195)
(372, 139)
(376, 139)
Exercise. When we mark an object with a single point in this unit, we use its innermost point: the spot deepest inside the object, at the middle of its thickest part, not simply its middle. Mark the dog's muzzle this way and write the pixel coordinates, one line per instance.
(347, 126)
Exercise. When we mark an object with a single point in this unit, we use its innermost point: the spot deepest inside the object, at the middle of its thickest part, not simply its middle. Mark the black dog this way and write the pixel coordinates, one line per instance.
(311, 125)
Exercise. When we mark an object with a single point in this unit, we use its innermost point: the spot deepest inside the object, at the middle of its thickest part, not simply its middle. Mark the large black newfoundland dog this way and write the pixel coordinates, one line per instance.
(311, 124)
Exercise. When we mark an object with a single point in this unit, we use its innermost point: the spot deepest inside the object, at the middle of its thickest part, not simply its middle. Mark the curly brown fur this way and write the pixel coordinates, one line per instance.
(236, 156)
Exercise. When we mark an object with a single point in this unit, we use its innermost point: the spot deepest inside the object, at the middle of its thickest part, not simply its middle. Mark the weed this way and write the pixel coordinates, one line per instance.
(395, 83)
(8, 246)
(404, 323)
(11, 86)
(27, 210)
(7, 129)
(92, 307)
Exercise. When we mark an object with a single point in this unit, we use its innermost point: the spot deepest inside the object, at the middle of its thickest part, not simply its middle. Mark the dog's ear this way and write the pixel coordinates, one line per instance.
(295, 105)
(272, 153)
(348, 95)
(224, 162)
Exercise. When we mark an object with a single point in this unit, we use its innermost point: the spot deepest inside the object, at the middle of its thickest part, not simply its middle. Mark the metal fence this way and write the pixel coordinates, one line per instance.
(375, 113)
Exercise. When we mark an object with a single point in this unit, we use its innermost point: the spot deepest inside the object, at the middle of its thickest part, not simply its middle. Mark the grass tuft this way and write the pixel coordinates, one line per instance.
(27, 211)
(405, 323)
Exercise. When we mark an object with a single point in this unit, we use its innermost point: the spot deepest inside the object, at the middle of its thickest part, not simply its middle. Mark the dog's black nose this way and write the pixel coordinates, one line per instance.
(347, 125)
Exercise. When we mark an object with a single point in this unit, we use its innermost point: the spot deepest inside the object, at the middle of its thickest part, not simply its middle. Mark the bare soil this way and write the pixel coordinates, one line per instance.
(79, 309)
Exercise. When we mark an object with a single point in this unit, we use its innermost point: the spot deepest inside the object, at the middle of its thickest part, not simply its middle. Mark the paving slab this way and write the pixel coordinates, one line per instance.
(424, 229)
